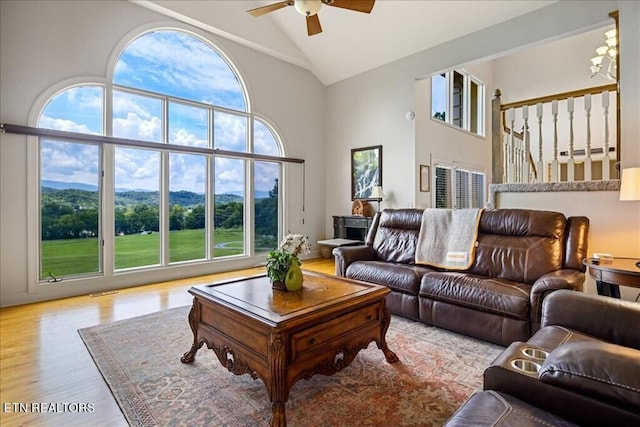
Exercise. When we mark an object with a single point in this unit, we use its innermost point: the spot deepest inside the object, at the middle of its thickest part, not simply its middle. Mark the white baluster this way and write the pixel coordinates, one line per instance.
(587, 160)
(605, 158)
(505, 157)
(511, 167)
(571, 173)
(555, 166)
(540, 164)
(518, 160)
(526, 167)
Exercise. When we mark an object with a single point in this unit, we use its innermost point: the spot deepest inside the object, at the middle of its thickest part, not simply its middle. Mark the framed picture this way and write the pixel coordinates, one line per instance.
(366, 171)
(424, 178)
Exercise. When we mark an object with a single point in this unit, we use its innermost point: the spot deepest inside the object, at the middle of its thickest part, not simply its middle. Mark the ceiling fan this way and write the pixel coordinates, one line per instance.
(310, 9)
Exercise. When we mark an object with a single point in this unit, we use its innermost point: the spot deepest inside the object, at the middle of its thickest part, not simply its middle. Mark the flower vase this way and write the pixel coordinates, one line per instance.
(293, 279)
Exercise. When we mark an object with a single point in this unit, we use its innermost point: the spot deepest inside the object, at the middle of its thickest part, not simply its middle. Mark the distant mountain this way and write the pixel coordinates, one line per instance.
(85, 196)
(59, 185)
(178, 197)
(259, 194)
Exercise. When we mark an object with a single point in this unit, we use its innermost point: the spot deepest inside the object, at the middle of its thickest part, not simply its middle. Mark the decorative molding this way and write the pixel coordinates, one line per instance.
(551, 187)
(230, 360)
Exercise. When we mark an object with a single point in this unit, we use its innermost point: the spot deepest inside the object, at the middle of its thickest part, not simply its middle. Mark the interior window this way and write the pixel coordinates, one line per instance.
(457, 98)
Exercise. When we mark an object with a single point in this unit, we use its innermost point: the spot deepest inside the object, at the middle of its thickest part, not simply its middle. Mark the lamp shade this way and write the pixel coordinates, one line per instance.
(630, 184)
(376, 192)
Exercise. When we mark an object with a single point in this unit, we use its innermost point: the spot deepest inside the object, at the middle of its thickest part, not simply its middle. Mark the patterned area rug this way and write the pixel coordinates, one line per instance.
(140, 361)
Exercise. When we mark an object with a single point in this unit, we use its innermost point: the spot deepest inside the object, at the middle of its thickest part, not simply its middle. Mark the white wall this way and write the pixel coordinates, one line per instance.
(369, 109)
(614, 226)
(440, 143)
(46, 42)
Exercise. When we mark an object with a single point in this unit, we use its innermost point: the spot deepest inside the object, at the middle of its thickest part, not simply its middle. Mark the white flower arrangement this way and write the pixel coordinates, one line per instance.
(295, 244)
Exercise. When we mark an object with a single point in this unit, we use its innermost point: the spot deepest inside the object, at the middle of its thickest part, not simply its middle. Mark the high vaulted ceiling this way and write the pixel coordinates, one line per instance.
(351, 42)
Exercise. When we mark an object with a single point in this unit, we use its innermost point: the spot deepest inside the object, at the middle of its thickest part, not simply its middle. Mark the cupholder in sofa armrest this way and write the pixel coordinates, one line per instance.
(526, 366)
(535, 353)
(598, 369)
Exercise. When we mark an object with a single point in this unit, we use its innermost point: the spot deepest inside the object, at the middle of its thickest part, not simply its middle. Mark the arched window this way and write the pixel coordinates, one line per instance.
(178, 182)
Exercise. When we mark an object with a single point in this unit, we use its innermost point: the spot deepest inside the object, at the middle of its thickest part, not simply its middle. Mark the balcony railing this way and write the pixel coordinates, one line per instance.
(568, 136)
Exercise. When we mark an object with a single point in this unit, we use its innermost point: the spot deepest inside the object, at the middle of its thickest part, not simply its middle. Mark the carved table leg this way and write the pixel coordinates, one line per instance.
(278, 389)
(279, 418)
(194, 316)
(384, 326)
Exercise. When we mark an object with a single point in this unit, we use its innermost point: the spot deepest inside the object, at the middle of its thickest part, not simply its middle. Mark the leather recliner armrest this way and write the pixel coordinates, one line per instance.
(606, 318)
(556, 280)
(345, 255)
(602, 370)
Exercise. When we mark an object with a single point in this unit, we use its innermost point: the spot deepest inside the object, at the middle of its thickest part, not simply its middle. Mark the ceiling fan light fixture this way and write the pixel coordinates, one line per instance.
(308, 7)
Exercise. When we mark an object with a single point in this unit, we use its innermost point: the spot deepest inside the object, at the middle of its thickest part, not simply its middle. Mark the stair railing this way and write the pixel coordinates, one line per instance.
(515, 160)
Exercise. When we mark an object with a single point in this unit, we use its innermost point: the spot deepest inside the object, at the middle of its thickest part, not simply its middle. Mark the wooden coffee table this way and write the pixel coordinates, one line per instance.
(282, 337)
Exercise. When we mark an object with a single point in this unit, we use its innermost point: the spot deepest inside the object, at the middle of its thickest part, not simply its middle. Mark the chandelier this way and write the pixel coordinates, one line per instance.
(604, 63)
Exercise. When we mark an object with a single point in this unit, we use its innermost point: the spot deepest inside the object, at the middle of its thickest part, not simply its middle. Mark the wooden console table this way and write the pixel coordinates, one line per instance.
(282, 337)
(610, 275)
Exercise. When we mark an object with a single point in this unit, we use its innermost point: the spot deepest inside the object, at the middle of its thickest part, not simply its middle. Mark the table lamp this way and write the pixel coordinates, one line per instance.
(630, 187)
(377, 194)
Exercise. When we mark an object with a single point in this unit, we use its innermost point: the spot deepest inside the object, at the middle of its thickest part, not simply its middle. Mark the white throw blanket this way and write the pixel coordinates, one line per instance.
(448, 238)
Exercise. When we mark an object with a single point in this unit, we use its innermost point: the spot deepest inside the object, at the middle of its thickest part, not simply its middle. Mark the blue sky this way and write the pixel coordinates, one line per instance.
(169, 63)
(438, 94)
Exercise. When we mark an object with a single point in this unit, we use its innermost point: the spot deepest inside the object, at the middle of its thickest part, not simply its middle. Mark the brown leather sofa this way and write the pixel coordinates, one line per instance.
(586, 370)
(521, 257)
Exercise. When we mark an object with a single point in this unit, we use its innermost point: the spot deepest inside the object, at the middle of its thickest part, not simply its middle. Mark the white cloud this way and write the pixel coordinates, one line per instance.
(184, 137)
(135, 127)
(229, 131)
(187, 172)
(63, 124)
(137, 169)
(181, 63)
(70, 162)
(263, 140)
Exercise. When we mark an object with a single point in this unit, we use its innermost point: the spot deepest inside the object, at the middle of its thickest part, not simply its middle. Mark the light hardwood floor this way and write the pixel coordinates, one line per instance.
(43, 359)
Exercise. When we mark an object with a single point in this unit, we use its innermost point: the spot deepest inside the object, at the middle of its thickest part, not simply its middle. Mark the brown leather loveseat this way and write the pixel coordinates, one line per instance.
(521, 257)
(581, 368)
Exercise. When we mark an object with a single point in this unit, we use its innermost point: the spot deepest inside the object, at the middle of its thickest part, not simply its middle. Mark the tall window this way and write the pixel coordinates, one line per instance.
(457, 98)
(458, 188)
(172, 204)
(266, 192)
(70, 186)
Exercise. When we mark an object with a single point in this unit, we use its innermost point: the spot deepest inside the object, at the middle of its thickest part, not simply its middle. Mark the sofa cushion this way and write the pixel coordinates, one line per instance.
(519, 245)
(602, 370)
(397, 235)
(490, 408)
(480, 293)
(398, 277)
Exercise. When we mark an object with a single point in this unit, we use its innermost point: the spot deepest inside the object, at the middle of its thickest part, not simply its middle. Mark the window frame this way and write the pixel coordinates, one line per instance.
(468, 80)
(107, 183)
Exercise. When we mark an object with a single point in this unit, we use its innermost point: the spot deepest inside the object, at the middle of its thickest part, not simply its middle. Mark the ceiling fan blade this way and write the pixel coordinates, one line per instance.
(313, 25)
(364, 6)
(263, 10)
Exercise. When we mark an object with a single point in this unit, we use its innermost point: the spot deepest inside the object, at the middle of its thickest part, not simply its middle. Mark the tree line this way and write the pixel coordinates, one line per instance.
(72, 213)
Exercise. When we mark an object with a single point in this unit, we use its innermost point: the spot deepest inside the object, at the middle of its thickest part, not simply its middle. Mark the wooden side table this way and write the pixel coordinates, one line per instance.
(609, 276)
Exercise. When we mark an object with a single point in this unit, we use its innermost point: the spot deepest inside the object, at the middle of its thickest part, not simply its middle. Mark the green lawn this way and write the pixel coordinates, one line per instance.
(62, 257)
(78, 256)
